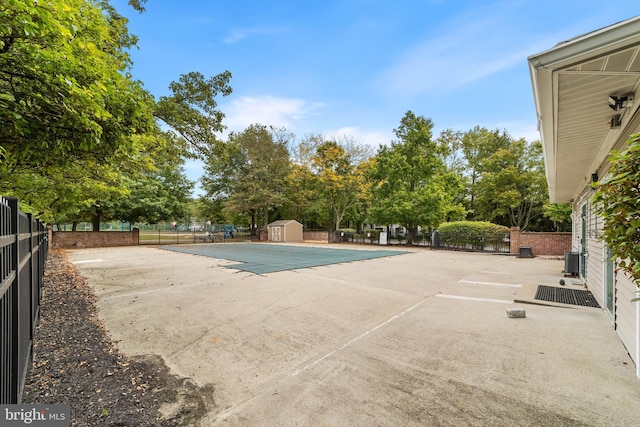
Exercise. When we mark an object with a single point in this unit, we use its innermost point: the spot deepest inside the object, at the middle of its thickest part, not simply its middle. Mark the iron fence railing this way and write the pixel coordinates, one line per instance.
(434, 240)
(177, 236)
(495, 243)
(23, 252)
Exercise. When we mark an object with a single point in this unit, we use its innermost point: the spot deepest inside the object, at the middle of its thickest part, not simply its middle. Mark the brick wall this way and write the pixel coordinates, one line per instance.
(316, 235)
(94, 239)
(541, 243)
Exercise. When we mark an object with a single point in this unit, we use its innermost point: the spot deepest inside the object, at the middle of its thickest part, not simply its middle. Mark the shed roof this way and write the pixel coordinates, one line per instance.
(283, 222)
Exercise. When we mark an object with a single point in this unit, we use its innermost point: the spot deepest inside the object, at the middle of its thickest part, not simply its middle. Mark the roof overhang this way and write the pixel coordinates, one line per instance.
(572, 86)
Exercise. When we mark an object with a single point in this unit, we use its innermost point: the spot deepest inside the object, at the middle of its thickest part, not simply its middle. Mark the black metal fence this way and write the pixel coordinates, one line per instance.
(456, 241)
(177, 236)
(434, 240)
(23, 252)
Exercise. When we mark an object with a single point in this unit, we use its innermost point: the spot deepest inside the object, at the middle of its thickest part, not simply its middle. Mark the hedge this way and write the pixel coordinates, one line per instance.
(471, 234)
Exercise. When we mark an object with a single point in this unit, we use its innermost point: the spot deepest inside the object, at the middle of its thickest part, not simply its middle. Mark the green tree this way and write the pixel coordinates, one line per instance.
(513, 184)
(65, 94)
(250, 170)
(191, 113)
(301, 183)
(339, 178)
(477, 146)
(74, 124)
(162, 194)
(559, 214)
(407, 179)
(451, 146)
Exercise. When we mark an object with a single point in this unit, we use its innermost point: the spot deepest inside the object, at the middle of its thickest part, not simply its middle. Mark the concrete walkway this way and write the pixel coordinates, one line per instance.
(415, 339)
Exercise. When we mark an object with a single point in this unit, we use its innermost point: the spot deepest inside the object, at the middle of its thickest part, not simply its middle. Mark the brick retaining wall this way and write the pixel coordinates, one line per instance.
(541, 243)
(94, 239)
(316, 235)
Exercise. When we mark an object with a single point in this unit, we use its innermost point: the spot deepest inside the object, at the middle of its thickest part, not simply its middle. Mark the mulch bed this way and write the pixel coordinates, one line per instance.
(76, 363)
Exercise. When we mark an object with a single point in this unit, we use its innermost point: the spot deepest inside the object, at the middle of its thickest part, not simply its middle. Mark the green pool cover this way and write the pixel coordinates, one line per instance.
(261, 258)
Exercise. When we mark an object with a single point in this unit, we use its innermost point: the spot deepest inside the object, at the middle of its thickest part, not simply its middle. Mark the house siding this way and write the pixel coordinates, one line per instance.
(577, 227)
(595, 268)
(626, 317)
(595, 256)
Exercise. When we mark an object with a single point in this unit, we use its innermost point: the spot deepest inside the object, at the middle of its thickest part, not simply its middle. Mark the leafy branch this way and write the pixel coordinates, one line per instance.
(618, 199)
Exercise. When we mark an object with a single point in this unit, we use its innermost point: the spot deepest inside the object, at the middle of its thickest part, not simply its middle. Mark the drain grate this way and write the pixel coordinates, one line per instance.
(566, 296)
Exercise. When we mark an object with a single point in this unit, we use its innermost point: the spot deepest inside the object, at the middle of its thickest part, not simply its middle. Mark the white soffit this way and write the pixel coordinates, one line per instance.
(572, 83)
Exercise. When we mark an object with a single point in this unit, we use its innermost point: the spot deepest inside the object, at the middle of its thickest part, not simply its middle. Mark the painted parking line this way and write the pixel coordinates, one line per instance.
(460, 297)
(359, 337)
(506, 285)
(275, 384)
(86, 261)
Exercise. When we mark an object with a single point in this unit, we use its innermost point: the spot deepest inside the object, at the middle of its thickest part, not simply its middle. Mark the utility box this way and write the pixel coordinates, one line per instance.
(525, 252)
(571, 264)
(383, 238)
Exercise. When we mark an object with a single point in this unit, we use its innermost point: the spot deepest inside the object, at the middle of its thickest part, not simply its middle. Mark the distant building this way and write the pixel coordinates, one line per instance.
(285, 231)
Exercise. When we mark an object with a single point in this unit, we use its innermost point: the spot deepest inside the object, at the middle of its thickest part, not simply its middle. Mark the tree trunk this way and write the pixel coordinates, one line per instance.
(411, 231)
(253, 222)
(95, 223)
(266, 218)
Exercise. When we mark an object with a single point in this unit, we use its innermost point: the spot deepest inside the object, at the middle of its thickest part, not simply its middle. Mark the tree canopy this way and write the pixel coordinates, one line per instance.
(64, 90)
(513, 184)
(250, 170)
(76, 129)
(339, 177)
(81, 139)
(407, 179)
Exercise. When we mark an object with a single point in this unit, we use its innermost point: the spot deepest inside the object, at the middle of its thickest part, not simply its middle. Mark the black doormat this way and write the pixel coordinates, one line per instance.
(566, 296)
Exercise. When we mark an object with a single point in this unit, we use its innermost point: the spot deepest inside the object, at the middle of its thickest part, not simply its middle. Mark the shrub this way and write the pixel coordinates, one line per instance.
(617, 198)
(470, 234)
(372, 235)
(345, 234)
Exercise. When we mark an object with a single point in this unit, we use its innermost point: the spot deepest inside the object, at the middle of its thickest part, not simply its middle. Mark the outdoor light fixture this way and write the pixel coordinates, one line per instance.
(616, 121)
(618, 103)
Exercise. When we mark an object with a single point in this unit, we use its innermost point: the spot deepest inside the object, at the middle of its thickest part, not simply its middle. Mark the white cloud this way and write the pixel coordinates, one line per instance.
(521, 129)
(371, 137)
(242, 33)
(517, 129)
(267, 110)
(465, 50)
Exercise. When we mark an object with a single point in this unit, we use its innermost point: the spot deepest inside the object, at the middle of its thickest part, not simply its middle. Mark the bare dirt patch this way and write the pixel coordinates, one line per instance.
(75, 362)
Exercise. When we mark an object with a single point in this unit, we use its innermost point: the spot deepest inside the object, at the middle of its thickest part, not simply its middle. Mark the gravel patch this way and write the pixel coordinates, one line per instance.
(76, 363)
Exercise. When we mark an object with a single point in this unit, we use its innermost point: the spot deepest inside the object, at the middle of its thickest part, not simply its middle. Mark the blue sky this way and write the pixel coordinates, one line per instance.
(354, 67)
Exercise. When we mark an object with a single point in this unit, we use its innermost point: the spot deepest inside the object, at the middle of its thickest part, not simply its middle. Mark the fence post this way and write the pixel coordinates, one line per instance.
(22, 278)
(14, 320)
(514, 240)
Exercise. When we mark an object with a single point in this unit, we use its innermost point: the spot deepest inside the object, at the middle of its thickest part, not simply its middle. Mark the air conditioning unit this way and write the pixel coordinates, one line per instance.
(572, 264)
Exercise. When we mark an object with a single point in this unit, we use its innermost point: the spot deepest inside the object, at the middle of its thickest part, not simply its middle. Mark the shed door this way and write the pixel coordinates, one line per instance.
(276, 233)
